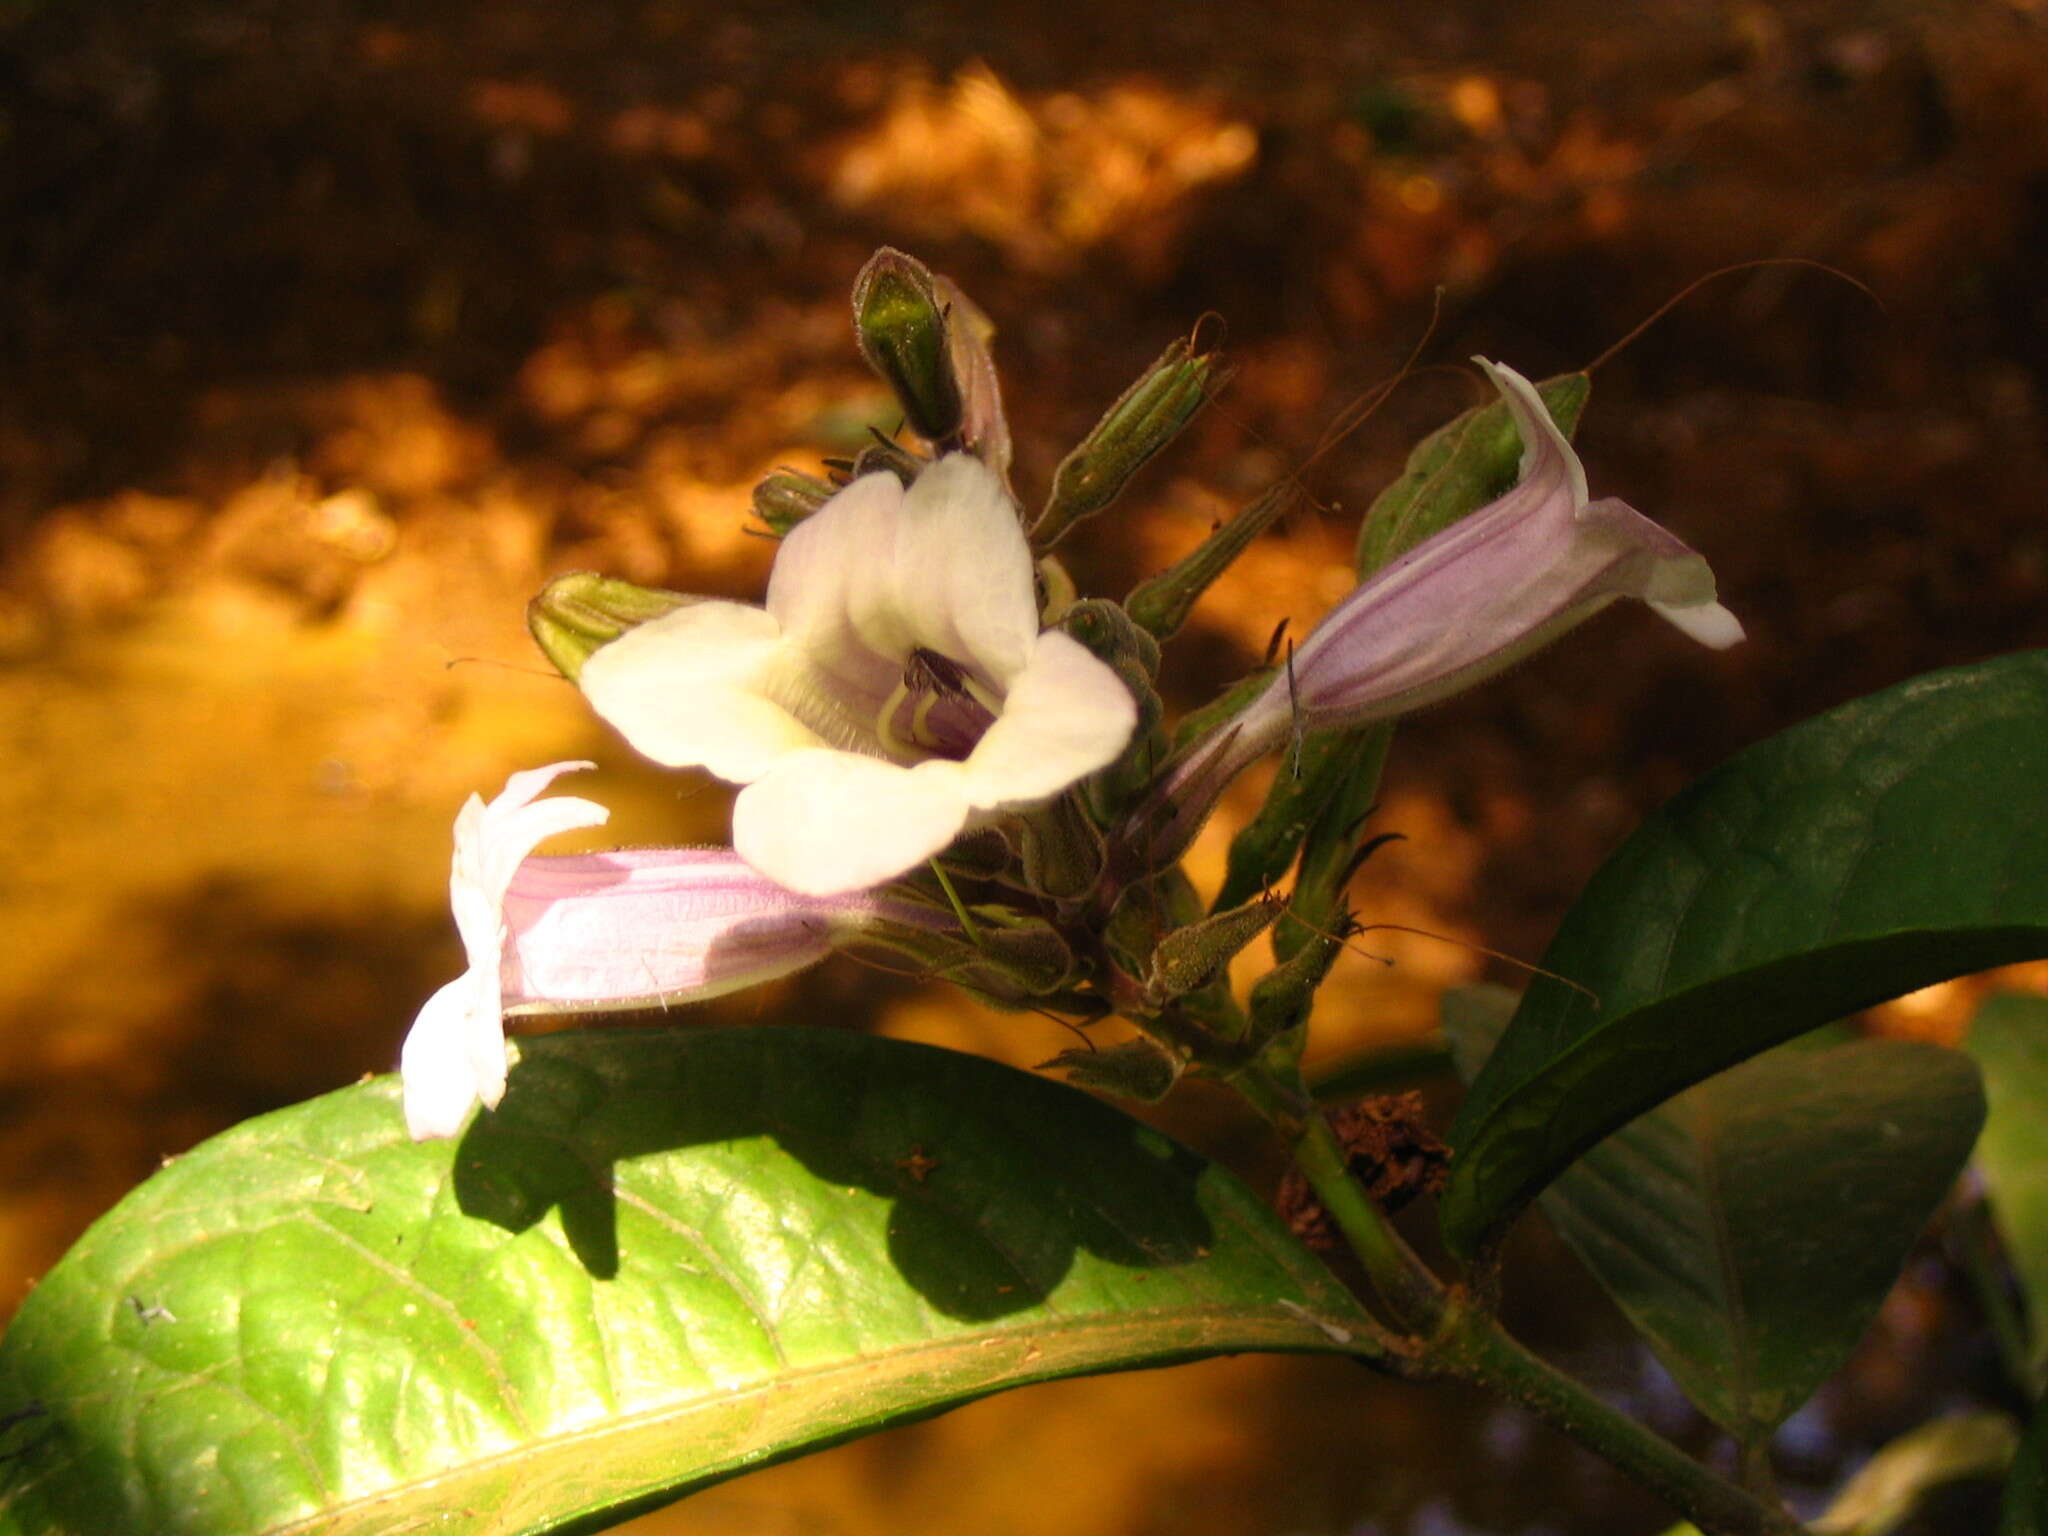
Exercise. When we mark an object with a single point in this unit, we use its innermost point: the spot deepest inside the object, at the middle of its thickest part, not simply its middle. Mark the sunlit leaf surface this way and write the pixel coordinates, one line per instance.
(670, 1255)
(1886, 845)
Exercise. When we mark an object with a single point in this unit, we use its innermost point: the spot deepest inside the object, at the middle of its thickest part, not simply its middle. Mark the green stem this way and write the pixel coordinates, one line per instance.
(1758, 1475)
(959, 907)
(1412, 1293)
(1452, 1335)
(1970, 1227)
(1474, 1348)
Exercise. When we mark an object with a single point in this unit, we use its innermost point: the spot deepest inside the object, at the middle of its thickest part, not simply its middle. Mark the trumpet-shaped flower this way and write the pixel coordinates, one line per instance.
(636, 927)
(895, 690)
(1465, 604)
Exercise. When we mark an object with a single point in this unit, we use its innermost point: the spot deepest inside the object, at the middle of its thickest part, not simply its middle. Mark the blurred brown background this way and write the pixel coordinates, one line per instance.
(332, 327)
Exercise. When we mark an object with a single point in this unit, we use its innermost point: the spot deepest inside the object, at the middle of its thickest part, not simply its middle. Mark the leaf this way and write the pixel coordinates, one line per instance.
(1891, 843)
(1457, 469)
(1883, 1493)
(669, 1256)
(2009, 1038)
(2025, 1510)
(1751, 1227)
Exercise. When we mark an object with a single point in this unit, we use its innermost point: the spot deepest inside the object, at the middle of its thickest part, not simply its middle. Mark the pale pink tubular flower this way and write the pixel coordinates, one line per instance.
(632, 928)
(1473, 600)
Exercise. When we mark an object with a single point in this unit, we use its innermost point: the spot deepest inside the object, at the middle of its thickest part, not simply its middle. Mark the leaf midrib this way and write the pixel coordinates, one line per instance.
(1279, 1330)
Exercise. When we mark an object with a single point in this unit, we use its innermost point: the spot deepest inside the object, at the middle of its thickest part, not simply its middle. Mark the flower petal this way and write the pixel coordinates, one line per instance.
(693, 689)
(454, 1054)
(1547, 454)
(1483, 593)
(641, 927)
(440, 1085)
(1666, 572)
(490, 840)
(962, 571)
(832, 593)
(824, 822)
(1067, 715)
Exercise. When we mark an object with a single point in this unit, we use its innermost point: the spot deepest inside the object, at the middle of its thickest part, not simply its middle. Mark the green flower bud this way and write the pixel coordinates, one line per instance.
(1063, 853)
(578, 612)
(1281, 999)
(787, 497)
(1146, 417)
(1107, 630)
(1162, 604)
(1131, 1069)
(1193, 956)
(902, 330)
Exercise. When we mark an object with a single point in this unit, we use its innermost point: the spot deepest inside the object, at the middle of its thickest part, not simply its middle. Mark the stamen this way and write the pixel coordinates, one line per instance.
(937, 711)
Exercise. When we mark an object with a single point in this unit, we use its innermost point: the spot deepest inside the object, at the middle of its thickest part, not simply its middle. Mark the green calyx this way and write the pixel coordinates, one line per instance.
(577, 613)
(901, 326)
(1146, 417)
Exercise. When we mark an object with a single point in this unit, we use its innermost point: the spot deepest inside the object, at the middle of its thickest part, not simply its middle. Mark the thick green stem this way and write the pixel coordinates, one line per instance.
(1474, 1348)
(1412, 1293)
(1452, 1335)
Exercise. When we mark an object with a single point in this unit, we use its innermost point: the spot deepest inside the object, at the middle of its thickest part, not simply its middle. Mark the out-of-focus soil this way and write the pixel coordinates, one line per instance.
(332, 328)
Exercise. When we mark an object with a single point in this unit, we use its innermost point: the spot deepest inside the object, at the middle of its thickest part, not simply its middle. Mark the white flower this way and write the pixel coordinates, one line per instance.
(631, 928)
(895, 690)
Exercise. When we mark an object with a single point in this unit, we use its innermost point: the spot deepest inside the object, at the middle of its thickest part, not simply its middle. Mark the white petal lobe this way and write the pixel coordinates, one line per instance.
(1067, 715)
(692, 690)
(827, 822)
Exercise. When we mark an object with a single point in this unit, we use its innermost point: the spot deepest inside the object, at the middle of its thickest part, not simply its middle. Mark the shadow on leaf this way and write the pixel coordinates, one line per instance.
(996, 1178)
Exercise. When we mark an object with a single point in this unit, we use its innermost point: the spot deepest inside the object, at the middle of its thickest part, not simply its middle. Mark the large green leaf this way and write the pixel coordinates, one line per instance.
(669, 1256)
(1751, 1226)
(2010, 1041)
(1891, 843)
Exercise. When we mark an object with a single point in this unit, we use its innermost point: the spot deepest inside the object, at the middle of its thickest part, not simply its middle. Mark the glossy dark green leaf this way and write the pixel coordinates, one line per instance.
(1457, 469)
(669, 1256)
(1881, 847)
(2010, 1041)
(1751, 1226)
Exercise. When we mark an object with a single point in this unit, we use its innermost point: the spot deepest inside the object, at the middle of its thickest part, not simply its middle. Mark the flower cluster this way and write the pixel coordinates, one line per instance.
(922, 699)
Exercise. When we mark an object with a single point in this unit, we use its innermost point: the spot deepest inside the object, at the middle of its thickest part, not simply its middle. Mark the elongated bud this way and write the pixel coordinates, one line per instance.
(1146, 417)
(1193, 956)
(1131, 1069)
(1162, 604)
(1282, 998)
(1337, 844)
(902, 330)
(1308, 781)
(578, 612)
(1064, 854)
(788, 496)
(1107, 631)
(1458, 468)
(1010, 965)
